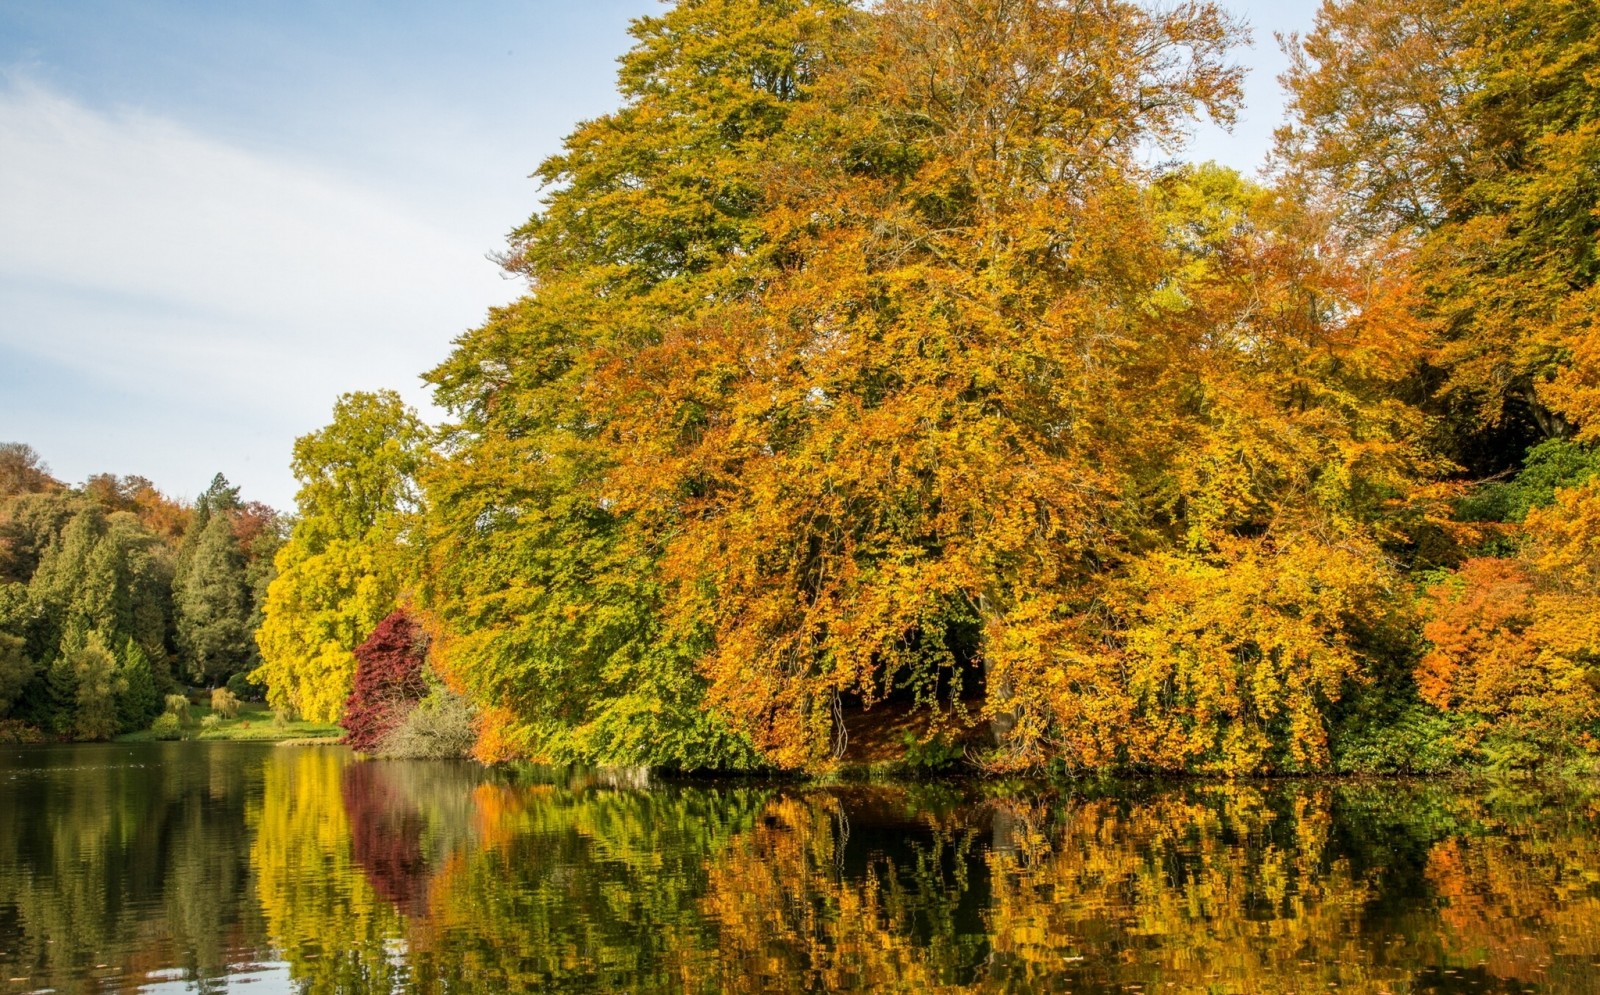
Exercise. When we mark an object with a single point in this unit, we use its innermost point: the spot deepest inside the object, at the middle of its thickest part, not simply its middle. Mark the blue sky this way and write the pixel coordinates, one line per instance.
(216, 216)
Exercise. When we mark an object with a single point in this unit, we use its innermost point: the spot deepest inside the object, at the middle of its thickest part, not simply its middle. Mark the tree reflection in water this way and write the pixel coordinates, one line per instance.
(1222, 887)
(352, 877)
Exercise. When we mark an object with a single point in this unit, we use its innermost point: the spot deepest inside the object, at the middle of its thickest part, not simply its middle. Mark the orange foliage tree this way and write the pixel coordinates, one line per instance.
(909, 373)
(1517, 641)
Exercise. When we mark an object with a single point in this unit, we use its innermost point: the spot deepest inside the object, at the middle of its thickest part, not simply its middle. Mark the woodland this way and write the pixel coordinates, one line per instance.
(114, 596)
(890, 358)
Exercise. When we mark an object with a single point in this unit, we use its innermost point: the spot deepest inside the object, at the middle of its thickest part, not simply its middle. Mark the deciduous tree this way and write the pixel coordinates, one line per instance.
(341, 571)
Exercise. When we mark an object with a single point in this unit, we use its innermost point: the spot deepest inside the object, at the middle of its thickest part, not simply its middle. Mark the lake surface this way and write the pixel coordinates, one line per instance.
(194, 867)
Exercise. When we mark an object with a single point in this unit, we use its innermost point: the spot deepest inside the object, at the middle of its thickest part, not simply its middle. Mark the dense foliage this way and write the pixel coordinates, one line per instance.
(871, 360)
(388, 681)
(340, 572)
(111, 594)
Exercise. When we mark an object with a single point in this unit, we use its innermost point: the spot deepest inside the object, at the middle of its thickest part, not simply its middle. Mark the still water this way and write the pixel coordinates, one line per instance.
(193, 867)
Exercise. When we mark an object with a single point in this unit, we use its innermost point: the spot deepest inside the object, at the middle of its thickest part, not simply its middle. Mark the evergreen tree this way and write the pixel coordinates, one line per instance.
(213, 605)
(139, 702)
(99, 686)
(58, 711)
(103, 574)
(59, 587)
(29, 523)
(16, 671)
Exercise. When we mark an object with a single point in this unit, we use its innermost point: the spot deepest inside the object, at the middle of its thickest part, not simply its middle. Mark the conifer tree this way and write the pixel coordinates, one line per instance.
(58, 709)
(140, 700)
(99, 686)
(213, 605)
(16, 670)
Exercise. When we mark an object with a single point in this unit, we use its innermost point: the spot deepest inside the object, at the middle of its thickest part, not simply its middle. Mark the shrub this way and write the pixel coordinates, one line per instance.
(225, 703)
(211, 721)
(438, 728)
(935, 754)
(18, 731)
(1416, 739)
(245, 689)
(281, 717)
(388, 682)
(167, 727)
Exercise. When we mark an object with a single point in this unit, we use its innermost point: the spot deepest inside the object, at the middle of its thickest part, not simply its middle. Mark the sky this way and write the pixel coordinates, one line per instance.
(216, 217)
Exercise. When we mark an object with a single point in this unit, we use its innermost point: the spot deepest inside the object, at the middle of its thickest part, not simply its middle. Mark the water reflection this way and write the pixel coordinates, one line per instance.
(118, 862)
(190, 866)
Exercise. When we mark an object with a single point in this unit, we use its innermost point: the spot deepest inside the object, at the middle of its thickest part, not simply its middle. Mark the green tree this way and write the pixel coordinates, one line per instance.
(347, 558)
(29, 523)
(219, 500)
(107, 574)
(99, 688)
(16, 670)
(140, 700)
(57, 707)
(212, 603)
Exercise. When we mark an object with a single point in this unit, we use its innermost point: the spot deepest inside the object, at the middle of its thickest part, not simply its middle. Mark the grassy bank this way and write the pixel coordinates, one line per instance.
(254, 723)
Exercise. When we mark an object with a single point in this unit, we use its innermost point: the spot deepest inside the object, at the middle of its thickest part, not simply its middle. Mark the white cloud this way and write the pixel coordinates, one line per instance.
(191, 276)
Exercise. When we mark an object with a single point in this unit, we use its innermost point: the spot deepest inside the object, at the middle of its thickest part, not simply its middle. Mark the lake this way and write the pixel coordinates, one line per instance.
(195, 867)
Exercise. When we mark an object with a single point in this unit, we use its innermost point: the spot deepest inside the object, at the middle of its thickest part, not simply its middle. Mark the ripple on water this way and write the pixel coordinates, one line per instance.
(172, 868)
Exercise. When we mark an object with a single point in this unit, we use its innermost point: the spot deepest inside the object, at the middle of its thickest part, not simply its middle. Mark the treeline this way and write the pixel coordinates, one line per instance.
(871, 357)
(113, 595)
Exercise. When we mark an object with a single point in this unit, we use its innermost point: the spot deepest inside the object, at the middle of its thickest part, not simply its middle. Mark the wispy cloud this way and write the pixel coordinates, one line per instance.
(141, 257)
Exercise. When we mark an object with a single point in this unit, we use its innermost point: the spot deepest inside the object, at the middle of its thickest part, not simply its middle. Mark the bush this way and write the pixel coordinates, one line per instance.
(18, 731)
(936, 754)
(245, 689)
(281, 717)
(211, 721)
(388, 682)
(1418, 739)
(439, 728)
(178, 708)
(167, 727)
(225, 703)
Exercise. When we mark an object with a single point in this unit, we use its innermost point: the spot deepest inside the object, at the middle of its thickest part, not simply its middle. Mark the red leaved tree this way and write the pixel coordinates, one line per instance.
(388, 682)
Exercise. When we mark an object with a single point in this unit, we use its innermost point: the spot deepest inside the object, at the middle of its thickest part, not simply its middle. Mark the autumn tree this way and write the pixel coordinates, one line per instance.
(939, 385)
(23, 471)
(548, 588)
(389, 680)
(341, 570)
(1469, 131)
(1514, 642)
